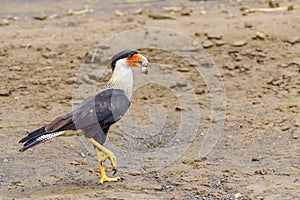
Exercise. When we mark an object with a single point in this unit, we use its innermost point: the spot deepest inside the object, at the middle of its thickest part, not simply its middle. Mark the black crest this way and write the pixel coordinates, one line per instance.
(121, 55)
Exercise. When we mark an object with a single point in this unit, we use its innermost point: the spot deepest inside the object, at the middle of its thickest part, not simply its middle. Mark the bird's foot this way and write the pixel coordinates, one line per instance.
(104, 178)
(107, 179)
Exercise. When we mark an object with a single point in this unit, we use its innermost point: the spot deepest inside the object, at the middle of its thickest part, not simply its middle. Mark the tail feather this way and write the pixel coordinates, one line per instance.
(33, 135)
(35, 139)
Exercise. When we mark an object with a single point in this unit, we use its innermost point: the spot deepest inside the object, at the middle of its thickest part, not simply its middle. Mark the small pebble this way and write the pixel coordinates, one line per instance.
(4, 22)
(248, 25)
(293, 40)
(5, 91)
(41, 17)
(71, 80)
(260, 36)
(219, 43)
(207, 44)
(255, 158)
(239, 43)
(214, 35)
(119, 13)
(183, 69)
(160, 16)
(237, 195)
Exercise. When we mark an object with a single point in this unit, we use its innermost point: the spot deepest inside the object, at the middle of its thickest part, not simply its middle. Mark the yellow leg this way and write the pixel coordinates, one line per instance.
(101, 159)
(104, 178)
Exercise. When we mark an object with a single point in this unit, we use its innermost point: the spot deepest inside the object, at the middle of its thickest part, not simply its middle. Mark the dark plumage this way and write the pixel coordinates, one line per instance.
(94, 115)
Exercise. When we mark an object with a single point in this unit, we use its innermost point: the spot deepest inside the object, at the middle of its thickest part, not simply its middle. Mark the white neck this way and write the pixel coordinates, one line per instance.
(122, 78)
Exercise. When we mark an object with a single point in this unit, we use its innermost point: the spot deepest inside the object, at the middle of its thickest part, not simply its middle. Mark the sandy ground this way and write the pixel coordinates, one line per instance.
(257, 54)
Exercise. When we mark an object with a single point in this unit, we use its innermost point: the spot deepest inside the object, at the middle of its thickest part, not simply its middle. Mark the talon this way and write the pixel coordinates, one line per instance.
(114, 171)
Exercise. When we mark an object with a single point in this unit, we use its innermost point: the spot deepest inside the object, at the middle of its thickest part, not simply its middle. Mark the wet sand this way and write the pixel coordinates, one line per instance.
(257, 55)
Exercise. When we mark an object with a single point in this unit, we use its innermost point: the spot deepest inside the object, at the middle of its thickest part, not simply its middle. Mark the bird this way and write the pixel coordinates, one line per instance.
(97, 113)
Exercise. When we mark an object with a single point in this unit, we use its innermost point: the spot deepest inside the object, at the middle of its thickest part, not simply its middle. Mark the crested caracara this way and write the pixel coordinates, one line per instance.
(97, 113)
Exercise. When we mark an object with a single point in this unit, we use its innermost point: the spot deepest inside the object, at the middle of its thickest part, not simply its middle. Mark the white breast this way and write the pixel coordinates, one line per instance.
(122, 78)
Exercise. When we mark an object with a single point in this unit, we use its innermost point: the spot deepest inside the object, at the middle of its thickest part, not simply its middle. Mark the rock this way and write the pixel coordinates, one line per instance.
(15, 68)
(255, 158)
(261, 172)
(284, 65)
(219, 43)
(259, 36)
(237, 195)
(214, 35)
(71, 80)
(43, 105)
(207, 44)
(13, 77)
(160, 16)
(293, 40)
(186, 12)
(177, 108)
(295, 137)
(197, 34)
(75, 163)
(4, 22)
(4, 91)
(49, 55)
(273, 4)
(119, 13)
(239, 43)
(21, 87)
(183, 69)
(248, 25)
(140, 12)
(41, 17)
(285, 128)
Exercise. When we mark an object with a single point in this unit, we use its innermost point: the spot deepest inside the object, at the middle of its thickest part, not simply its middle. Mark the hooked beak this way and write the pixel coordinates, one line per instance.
(138, 60)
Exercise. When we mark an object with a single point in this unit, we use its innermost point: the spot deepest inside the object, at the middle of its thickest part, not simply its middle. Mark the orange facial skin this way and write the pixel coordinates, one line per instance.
(135, 60)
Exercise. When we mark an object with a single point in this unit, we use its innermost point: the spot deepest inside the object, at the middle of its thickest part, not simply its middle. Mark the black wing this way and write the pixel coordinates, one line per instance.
(94, 115)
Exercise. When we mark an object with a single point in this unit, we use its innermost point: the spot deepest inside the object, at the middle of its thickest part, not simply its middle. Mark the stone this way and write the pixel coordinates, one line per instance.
(293, 40)
(4, 22)
(49, 55)
(259, 36)
(183, 69)
(41, 17)
(239, 43)
(15, 68)
(207, 44)
(160, 16)
(248, 25)
(71, 80)
(119, 13)
(4, 91)
(214, 35)
(219, 43)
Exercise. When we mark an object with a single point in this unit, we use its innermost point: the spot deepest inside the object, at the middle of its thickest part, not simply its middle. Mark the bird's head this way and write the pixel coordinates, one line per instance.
(131, 59)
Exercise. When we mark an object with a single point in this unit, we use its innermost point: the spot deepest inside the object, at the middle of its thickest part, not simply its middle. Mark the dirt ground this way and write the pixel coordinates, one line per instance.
(257, 54)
